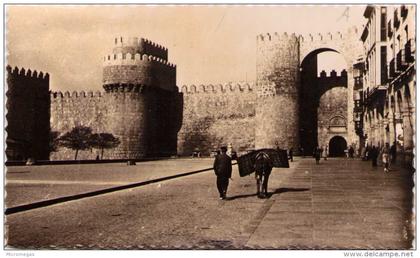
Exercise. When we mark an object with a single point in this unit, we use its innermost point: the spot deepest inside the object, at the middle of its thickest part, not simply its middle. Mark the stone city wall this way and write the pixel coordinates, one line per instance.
(144, 119)
(278, 91)
(78, 108)
(216, 115)
(27, 107)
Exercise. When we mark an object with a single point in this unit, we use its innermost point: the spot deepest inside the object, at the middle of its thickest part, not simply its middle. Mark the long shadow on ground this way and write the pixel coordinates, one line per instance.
(285, 190)
(269, 194)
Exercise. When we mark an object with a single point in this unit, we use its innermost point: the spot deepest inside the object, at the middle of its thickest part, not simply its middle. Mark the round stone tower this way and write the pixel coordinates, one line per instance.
(277, 108)
(142, 98)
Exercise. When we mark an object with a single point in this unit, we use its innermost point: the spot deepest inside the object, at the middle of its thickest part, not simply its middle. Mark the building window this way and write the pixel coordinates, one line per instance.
(396, 19)
(384, 71)
(389, 29)
(404, 11)
(383, 24)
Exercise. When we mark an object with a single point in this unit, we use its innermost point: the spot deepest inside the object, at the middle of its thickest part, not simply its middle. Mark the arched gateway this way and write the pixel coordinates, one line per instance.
(289, 90)
(290, 103)
(337, 146)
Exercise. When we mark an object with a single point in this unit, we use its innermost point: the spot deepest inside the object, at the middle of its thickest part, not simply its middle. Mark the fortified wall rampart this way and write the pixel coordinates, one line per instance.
(141, 104)
(74, 109)
(28, 114)
(136, 69)
(139, 62)
(153, 113)
(215, 115)
(277, 113)
(326, 83)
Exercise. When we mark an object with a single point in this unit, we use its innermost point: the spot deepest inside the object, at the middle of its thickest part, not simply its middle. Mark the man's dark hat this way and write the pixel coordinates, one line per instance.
(223, 148)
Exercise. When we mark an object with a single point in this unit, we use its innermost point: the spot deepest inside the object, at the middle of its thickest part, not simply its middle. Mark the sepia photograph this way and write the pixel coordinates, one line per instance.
(210, 127)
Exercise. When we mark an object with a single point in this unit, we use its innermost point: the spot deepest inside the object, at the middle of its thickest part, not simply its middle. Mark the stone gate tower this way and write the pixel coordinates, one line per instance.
(143, 100)
(277, 105)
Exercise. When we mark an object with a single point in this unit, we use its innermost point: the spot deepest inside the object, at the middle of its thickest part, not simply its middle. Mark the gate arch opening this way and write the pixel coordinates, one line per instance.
(313, 84)
(337, 146)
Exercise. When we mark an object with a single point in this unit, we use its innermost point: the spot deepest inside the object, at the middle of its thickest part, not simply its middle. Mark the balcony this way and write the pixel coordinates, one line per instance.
(365, 34)
(358, 82)
(401, 61)
(358, 108)
(359, 66)
(384, 74)
(392, 72)
(358, 126)
(409, 50)
(377, 92)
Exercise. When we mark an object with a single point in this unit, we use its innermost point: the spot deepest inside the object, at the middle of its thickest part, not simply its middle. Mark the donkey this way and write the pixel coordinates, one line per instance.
(263, 167)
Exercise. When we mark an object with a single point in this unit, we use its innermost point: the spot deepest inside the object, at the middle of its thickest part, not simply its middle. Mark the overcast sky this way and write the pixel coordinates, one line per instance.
(209, 44)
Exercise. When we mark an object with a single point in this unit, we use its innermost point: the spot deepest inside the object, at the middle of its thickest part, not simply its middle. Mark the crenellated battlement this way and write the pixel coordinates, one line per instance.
(273, 37)
(75, 95)
(122, 87)
(321, 37)
(136, 45)
(137, 59)
(28, 113)
(237, 87)
(333, 74)
(136, 41)
(27, 73)
(153, 44)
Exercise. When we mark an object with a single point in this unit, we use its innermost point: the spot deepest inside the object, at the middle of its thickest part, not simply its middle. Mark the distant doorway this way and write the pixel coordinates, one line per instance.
(337, 146)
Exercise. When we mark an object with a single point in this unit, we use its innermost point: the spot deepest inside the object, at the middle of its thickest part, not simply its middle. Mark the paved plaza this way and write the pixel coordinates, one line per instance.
(340, 203)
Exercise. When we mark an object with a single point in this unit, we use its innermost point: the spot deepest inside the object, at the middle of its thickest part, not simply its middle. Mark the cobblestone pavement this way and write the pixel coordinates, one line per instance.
(337, 204)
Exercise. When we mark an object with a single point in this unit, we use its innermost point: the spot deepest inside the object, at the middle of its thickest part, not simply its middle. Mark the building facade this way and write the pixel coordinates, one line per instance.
(385, 96)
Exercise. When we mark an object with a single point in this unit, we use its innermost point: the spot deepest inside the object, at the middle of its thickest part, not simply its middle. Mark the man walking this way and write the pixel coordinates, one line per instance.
(374, 155)
(325, 152)
(351, 152)
(291, 154)
(385, 157)
(393, 153)
(223, 169)
(317, 154)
